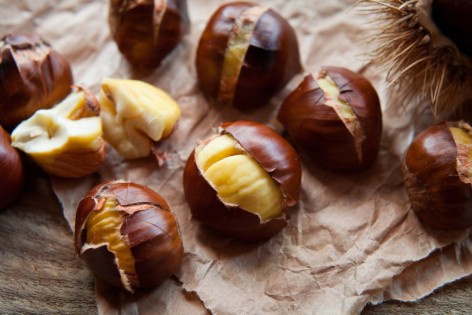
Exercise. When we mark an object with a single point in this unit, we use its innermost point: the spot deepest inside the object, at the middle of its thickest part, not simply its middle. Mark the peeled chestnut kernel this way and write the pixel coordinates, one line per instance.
(437, 170)
(241, 180)
(147, 31)
(135, 114)
(245, 55)
(11, 168)
(335, 119)
(65, 140)
(127, 235)
(32, 77)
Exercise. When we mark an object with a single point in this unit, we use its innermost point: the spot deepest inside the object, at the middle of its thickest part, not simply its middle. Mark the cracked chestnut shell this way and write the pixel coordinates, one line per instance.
(127, 235)
(11, 168)
(437, 173)
(245, 55)
(225, 199)
(335, 119)
(32, 77)
(147, 31)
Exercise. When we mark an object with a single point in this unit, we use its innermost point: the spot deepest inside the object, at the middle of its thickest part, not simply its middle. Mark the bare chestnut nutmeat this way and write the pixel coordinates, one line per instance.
(147, 31)
(335, 119)
(245, 54)
(438, 176)
(65, 140)
(32, 77)
(127, 235)
(241, 180)
(11, 168)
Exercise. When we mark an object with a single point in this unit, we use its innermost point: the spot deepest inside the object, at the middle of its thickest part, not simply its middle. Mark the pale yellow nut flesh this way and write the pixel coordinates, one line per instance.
(51, 132)
(462, 136)
(103, 228)
(134, 114)
(332, 94)
(237, 47)
(237, 178)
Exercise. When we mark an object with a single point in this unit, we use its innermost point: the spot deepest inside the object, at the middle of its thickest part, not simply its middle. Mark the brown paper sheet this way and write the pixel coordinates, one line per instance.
(352, 239)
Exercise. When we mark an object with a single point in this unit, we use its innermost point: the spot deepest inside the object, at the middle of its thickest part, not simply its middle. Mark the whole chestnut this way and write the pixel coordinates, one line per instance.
(147, 31)
(32, 77)
(245, 55)
(437, 173)
(241, 180)
(127, 235)
(335, 119)
(11, 168)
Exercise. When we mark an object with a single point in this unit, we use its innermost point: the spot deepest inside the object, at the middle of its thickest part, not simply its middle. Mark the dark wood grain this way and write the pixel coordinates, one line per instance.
(40, 273)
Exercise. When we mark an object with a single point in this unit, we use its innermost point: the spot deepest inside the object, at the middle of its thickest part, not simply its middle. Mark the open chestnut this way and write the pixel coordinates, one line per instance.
(32, 77)
(147, 31)
(438, 176)
(128, 235)
(241, 180)
(246, 53)
(335, 119)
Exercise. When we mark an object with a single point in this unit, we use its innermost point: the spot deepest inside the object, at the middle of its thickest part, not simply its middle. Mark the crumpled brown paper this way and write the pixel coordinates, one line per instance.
(352, 239)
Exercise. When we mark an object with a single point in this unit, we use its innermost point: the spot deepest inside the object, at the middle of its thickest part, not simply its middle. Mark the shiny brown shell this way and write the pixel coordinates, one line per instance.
(270, 62)
(11, 168)
(32, 77)
(275, 155)
(438, 195)
(149, 225)
(141, 37)
(317, 129)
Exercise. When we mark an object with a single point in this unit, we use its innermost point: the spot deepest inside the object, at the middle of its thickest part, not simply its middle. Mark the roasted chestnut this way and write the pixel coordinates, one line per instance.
(65, 140)
(147, 31)
(11, 168)
(135, 114)
(32, 77)
(241, 180)
(438, 173)
(245, 54)
(127, 235)
(335, 119)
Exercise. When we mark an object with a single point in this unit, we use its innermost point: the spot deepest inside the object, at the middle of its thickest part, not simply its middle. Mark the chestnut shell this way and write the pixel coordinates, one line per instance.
(320, 134)
(271, 61)
(275, 155)
(437, 194)
(11, 168)
(32, 77)
(131, 25)
(150, 226)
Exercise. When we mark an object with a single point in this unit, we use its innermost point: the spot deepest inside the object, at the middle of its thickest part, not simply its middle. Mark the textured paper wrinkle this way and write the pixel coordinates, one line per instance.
(352, 239)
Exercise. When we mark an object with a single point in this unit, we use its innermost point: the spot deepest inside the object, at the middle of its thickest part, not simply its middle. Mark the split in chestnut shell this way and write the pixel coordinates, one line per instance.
(245, 55)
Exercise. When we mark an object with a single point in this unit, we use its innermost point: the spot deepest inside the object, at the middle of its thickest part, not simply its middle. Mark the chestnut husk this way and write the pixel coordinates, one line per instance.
(275, 155)
(151, 229)
(271, 61)
(32, 77)
(438, 195)
(132, 24)
(12, 170)
(320, 134)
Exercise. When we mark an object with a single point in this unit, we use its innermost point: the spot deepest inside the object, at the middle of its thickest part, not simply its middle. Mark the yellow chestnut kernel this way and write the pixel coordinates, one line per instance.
(135, 113)
(103, 227)
(51, 132)
(463, 139)
(238, 179)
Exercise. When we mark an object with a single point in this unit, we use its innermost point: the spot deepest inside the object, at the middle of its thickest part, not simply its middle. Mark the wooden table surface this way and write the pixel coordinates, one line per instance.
(40, 273)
